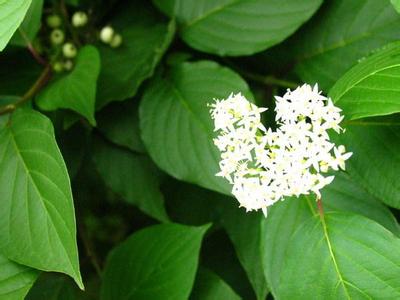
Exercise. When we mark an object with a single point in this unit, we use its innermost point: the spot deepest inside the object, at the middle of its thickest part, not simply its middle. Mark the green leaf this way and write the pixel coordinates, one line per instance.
(209, 286)
(119, 123)
(133, 176)
(342, 33)
(343, 257)
(15, 279)
(176, 125)
(245, 231)
(396, 5)
(76, 90)
(12, 12)
(371, 87)
(237, 27)
(375, 143)
(37, 222)
(345, 194)
(158, 262)
(30, 26)
(284, 218)
(146, 36)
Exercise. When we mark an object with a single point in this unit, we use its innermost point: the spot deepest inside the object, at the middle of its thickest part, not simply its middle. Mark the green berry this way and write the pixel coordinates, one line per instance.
(58, 67)
(69, 50)
(57, 37)
(106, 34)
(79, 19)
(68, 65)
(53, 21)
(116, 41)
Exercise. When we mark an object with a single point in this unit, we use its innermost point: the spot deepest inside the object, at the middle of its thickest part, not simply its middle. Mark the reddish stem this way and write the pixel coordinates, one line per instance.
(320, 208)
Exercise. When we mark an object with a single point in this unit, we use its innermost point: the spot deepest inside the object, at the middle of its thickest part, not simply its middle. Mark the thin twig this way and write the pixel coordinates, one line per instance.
(269, 80)
(71, 30)
(266, 80)
(33, 90)
(32, 49)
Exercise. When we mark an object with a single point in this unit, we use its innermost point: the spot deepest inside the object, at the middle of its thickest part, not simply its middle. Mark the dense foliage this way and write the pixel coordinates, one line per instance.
(107, 162)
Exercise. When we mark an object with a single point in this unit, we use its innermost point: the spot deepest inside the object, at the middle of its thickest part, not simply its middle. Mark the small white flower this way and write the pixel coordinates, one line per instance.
(265, 166)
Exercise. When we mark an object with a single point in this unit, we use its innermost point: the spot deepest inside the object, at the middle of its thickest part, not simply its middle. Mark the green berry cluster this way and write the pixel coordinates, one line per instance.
(66, 35)
(63, 52)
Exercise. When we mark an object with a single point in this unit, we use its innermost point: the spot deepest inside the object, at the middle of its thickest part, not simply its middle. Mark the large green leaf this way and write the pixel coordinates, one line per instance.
(15, 279)
(375, 163)
(158, 262)
(371, 88)
(286, 217)
(346, 195)
(76, 90)
(343, 256)
(246, 230)
(30, 26)
(283, 219)
(237, 27)
(146, 36)
(133, 176)
(342, 33)
(209, 286)
(12, 13)
(119, 123)
(37, 222)
(176, 125)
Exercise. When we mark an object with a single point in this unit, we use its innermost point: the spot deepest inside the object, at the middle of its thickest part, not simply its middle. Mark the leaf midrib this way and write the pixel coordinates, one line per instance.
(333, 257)
(344, 43)
(211, 12)
(186, 105)
(339, 97)
(329, 244)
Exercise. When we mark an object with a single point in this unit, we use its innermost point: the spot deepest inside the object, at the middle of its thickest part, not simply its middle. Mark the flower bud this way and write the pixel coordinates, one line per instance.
(69, 50)
(79, 19)
(106, 34)
(116, 41)
(57, 37)
(53, 21)
(58, 67)
(68, 65)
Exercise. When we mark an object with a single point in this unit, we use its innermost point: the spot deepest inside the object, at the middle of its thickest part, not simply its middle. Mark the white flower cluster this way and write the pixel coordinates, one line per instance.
(265, 166)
